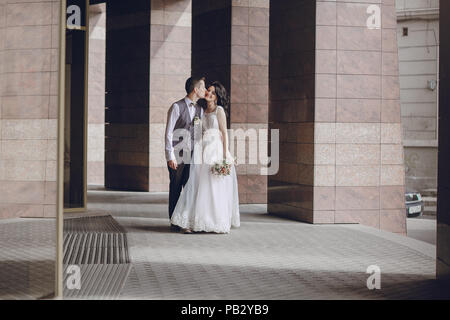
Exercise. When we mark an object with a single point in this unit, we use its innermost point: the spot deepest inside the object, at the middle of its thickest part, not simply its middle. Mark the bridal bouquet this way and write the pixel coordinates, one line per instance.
(222, 168)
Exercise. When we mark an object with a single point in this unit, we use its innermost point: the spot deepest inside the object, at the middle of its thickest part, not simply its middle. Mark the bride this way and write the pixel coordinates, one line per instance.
(210, 202)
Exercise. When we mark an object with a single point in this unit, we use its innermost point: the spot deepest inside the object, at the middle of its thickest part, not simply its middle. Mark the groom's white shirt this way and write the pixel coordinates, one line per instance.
(172, 117)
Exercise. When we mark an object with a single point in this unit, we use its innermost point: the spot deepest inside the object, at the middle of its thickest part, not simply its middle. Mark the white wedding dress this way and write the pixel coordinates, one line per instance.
(208, 202)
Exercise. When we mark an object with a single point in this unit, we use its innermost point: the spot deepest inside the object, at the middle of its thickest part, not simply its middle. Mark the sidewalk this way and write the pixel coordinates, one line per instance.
(27, 258)
(266, 258)
(271, 260)
(423, 228)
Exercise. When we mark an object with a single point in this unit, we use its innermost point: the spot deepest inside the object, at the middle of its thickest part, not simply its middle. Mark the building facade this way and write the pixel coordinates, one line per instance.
(324, 73)
(418, 42)
(96, 95)
(29, 43)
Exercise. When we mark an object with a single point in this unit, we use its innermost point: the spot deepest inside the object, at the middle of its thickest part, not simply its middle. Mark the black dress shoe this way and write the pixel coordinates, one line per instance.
(174, 228)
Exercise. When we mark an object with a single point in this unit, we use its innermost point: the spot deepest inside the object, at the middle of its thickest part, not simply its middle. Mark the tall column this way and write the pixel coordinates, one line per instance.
(341, 145)
(250, 87)
(231, 44)
(292, 61)
(96, 95)
(443, 206)
(127, 95)
(28, 119)
(211, 40)
(148, 60)
(170, 67)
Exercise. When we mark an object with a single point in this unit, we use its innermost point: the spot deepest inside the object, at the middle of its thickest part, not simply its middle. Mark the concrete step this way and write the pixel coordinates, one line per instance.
(429, 193)
(429, 211)
(430, 201)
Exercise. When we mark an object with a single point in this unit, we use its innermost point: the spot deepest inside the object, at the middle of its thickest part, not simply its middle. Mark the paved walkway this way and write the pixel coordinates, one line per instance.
(267, 258)
(423, 228)
(27, 258)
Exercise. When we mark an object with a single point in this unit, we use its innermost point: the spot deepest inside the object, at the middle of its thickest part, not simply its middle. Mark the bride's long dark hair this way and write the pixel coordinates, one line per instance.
(223, 99)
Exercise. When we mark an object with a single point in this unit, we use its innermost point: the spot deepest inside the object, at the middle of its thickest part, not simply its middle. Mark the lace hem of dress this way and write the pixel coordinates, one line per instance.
(189, 223)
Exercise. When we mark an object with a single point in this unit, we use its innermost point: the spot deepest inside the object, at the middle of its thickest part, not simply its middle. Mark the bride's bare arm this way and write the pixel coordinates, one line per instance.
(222, 119)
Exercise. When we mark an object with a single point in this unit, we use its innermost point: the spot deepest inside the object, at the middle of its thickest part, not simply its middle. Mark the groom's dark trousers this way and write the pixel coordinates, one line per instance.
(178, 179)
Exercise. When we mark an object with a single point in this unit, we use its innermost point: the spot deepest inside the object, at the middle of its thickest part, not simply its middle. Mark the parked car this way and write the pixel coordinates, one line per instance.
(414, 204)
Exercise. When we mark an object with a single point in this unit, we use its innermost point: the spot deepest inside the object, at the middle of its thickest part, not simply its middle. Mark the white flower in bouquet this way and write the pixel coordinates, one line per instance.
(222, 168)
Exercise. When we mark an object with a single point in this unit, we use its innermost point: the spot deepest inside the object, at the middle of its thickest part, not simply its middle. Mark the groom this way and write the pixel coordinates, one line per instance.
(181, 116)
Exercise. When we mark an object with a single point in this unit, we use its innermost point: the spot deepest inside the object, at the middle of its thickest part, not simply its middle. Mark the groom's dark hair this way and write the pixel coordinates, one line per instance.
(192, 83)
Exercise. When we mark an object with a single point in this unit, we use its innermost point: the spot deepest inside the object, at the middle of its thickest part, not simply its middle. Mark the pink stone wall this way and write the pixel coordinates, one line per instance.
(28, 107)
(249, 85)
(127, 95)
(358, 157)
(96, 95)
(170, 66)
(292, 75)
(231, 45)
(343, 152)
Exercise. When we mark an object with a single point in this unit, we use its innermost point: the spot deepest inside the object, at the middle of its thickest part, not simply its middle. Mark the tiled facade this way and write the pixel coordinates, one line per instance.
(170, 66)
(28, 120)
(333, 94)
(290, 192)
(96, 95)
(418, 64)
(231, 44)
(127, 96)
(369, 166)
(155, 73)
(347, 154)
(249, 87)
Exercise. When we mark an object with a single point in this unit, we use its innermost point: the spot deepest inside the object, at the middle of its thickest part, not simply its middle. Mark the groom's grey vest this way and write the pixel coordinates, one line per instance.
(184, 122)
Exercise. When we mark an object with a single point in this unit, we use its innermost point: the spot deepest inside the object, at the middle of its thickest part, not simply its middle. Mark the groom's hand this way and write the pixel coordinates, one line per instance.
(173, 164)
